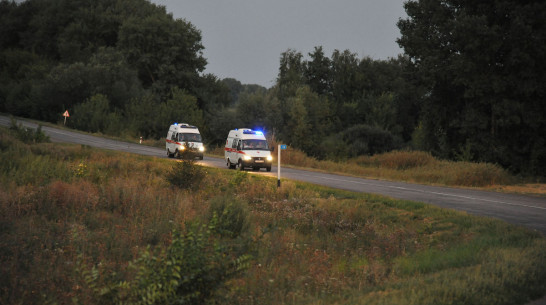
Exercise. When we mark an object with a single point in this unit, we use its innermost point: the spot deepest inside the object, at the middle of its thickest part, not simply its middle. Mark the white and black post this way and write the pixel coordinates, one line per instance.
(279, 167)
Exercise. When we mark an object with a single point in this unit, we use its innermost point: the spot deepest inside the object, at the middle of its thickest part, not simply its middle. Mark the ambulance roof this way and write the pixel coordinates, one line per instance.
(246, 133)
(184, 127)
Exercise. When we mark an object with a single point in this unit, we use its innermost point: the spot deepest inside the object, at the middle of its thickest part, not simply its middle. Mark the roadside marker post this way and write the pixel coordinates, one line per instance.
(281, 146)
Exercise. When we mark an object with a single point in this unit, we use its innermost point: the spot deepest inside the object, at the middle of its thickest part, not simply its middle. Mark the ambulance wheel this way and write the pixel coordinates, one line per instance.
(231, 165)
(176, 154)
(169, 155)
(268, 168)
(241, 167)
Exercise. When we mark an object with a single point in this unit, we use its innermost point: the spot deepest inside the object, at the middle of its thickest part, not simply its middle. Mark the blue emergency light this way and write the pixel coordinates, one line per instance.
(255, 132)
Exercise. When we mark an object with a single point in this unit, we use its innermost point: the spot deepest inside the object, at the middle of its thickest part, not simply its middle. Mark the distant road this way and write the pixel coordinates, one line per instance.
(528, 211)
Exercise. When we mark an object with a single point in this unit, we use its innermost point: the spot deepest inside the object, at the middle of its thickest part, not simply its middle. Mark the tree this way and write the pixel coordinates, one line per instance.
(166, 52)
(251, 110)
(290, 74)
(319, 120)
(141, 114)
(111, 75)
(94, 25)
(383, 112)
(484, 63)
(308, 121)
(298, 129)
(181, 107)
(60, 54)
(96, 115)
(67, 85)
(318, 72)
(346, 77)
(235, 87)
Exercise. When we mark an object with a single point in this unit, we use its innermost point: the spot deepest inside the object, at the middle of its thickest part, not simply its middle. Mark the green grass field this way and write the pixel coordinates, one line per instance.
(76, 221)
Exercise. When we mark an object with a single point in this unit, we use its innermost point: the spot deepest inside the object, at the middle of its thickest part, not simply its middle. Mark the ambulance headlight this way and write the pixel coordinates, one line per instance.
(202, 148)
(269, 158)
(247, 158)
(182, 147)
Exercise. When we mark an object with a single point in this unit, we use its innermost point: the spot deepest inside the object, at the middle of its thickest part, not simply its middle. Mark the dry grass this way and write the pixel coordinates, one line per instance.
(310, 245)
(527, 189)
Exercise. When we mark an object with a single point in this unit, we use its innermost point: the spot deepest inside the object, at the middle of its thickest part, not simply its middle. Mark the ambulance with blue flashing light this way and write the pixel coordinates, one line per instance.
(247, 148)
(183, 139)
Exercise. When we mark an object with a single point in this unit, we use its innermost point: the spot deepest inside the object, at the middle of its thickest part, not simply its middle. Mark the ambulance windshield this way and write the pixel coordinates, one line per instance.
(255, 145)
(189, 137)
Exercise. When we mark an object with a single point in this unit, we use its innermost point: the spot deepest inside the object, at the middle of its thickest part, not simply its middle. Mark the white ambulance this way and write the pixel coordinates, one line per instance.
(247, 148)
(180, 135)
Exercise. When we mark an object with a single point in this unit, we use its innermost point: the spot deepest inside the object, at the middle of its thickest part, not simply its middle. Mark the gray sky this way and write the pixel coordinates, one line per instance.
(244, 39)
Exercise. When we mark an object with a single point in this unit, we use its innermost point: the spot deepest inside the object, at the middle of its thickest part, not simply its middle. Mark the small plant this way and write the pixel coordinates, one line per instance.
(186, 175)
(81, 170)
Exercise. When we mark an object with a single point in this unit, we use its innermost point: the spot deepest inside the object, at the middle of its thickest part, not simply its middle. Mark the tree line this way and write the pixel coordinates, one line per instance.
(334, 107)
(469, 85)
(123, 67)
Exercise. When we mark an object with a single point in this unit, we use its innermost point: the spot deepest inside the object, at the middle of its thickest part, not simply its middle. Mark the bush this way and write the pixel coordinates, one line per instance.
(28, 135)
(364, 140)
(191, 270)
(186, 175)
(96, 115)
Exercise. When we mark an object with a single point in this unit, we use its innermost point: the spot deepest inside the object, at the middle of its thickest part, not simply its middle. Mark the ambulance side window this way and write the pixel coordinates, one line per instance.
(173, 137)
(234, 145)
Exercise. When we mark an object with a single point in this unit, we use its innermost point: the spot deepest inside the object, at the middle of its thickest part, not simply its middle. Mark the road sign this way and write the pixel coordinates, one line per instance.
(283, 146)
(65, 114)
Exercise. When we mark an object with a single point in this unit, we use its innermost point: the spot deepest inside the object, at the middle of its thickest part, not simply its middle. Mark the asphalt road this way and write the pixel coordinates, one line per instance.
(528, 211)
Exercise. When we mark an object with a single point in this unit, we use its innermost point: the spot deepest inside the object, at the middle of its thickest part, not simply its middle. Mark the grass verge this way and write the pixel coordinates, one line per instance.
(70, 213)
(417, 167)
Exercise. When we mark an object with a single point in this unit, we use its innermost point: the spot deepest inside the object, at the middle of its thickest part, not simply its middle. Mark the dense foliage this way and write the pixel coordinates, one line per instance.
(119, 67)
(336, 107)
(469, 86)
(484, 67)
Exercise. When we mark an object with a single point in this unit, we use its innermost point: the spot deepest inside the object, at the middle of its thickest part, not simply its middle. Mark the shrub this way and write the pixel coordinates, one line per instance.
(28, 135)
(369, 140)
(190, 271)
(186, 175)
(96, 115)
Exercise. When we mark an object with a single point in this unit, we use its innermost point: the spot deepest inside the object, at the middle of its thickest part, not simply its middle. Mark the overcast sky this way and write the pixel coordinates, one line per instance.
(244, 39)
